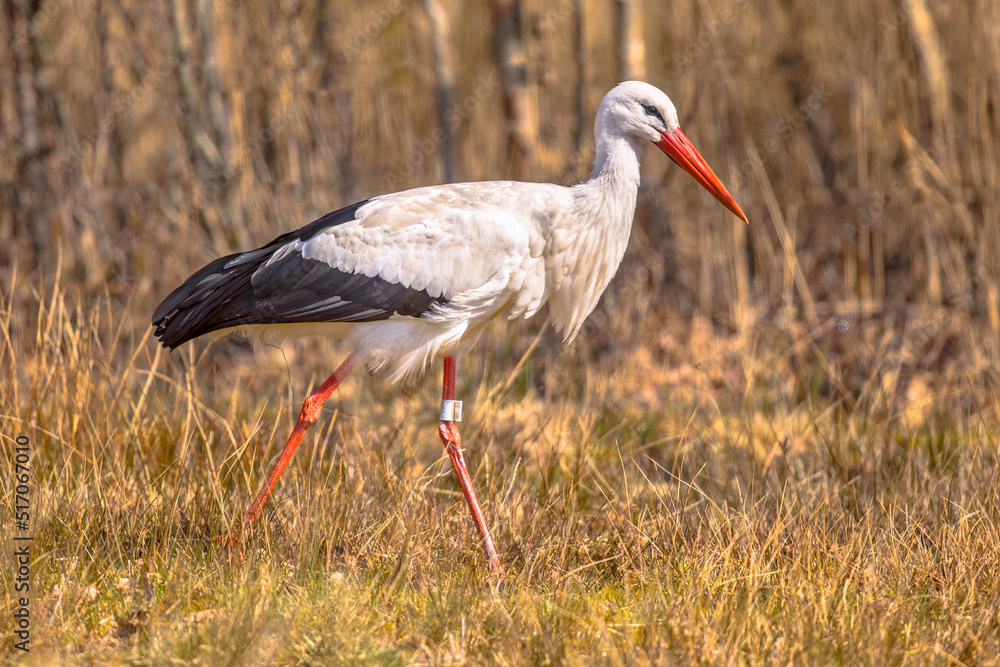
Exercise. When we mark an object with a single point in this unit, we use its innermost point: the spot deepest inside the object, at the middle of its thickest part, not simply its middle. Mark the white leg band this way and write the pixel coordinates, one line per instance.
(451, 411)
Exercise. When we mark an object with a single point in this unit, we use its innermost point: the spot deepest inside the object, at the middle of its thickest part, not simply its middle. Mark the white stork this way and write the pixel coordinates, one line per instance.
(415, 276)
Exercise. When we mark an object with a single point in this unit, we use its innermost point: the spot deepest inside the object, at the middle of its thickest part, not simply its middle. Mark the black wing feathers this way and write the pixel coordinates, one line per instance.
(243, 289)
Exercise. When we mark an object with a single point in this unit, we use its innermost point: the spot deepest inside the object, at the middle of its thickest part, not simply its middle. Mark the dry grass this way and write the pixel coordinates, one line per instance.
(646, 512)
(771, 444)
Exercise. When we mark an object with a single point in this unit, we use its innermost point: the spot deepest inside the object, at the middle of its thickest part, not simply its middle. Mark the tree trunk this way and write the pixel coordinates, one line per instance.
(444, 75)
(631, 44)
(522, 129)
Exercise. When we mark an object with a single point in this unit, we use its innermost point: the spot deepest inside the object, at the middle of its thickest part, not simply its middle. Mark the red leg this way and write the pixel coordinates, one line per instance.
(453, 442)
(310, 413)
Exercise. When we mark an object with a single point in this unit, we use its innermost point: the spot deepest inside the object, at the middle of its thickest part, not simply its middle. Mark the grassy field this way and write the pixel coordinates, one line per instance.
(771, 444)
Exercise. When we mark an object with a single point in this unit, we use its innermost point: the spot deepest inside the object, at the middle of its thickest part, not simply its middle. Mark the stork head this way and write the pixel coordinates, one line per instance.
(639, 110)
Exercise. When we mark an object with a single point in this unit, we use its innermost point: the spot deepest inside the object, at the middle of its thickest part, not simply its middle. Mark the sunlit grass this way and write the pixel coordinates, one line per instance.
(771, 443)
(703, 524)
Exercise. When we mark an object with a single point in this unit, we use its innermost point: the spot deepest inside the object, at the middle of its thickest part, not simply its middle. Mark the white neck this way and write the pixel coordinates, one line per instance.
(608, 197)
(616, 156)
(598, 229)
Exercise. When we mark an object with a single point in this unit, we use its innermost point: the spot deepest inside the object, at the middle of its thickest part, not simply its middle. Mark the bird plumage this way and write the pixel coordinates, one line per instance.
(414, 276)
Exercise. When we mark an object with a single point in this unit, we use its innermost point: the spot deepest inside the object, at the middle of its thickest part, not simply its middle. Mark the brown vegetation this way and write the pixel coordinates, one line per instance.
(771, 443)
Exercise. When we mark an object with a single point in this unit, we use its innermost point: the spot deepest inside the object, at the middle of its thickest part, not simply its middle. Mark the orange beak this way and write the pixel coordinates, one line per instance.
(679, 149)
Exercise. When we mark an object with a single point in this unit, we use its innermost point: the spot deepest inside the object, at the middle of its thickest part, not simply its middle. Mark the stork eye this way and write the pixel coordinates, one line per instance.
(650, 110)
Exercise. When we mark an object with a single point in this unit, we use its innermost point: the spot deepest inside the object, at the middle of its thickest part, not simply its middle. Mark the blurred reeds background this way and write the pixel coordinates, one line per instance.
(757, 421)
